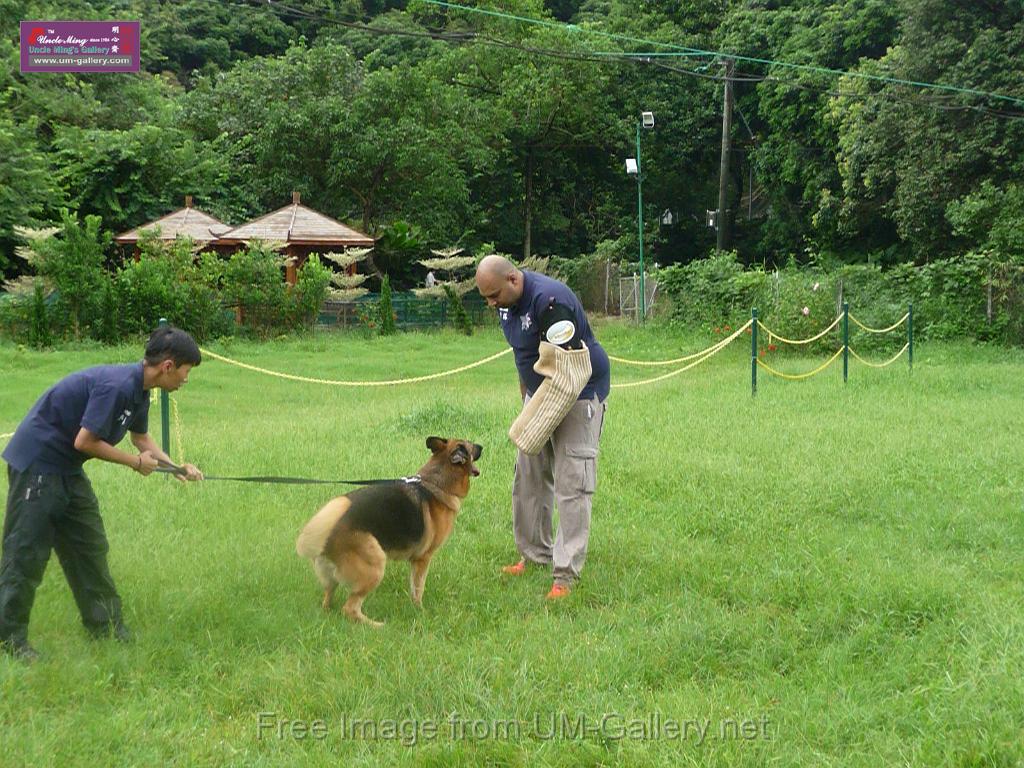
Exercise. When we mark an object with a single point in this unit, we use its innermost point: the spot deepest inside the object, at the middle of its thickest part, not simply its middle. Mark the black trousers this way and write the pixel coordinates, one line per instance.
(54, 512)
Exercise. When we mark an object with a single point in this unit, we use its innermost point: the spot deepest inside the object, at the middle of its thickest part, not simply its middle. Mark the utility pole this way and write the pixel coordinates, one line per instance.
(723, 220)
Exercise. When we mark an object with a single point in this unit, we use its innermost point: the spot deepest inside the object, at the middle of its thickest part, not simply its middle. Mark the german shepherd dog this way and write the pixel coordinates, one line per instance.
(353, 536)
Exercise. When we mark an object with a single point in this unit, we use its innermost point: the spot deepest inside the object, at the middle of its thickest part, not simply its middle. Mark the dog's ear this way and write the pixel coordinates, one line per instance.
(477, 451)
(460, 455)
(436, 444)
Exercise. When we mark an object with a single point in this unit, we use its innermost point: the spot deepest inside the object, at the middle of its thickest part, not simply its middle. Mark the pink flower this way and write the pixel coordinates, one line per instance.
(806, 311)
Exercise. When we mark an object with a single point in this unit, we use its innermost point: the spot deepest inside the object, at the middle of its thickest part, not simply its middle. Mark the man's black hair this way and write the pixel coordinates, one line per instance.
(173, 344)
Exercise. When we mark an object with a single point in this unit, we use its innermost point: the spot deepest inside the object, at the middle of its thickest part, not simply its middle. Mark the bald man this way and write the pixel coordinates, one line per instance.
(534, 308)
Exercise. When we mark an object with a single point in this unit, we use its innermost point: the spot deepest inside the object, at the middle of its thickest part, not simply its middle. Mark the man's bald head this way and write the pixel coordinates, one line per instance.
(495, 266)
(499, 281)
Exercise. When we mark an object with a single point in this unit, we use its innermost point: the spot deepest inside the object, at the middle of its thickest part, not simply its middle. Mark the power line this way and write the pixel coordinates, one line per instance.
(644, 57)
(733, 56)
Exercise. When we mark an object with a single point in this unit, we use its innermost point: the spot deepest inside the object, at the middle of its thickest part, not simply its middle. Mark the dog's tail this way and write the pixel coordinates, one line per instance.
(314, 536)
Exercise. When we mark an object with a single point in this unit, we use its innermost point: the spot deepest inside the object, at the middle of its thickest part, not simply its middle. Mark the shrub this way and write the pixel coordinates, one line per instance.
(25, 317)
(950, 297)
(169, 281)
(386, 312)
(714, 291)
(39, 328)
(146, 292)
(309, 292)
(71, 262)
(108, 326)
(586, 275)
(457, 311)
(253, 284)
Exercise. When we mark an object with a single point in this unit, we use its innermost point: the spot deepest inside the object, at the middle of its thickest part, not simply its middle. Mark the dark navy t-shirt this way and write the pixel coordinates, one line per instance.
(108, 400)
(544, 297)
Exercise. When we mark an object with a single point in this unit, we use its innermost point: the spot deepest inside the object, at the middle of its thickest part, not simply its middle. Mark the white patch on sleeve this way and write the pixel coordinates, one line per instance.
(561, 332)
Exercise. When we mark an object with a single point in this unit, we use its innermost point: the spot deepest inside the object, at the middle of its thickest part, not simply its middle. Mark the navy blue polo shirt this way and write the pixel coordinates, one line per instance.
(521, 324)
(108, 400)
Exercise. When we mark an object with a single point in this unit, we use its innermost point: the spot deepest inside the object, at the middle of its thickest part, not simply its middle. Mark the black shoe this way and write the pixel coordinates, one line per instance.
(122, 634)
(20, 650)
(118, 631)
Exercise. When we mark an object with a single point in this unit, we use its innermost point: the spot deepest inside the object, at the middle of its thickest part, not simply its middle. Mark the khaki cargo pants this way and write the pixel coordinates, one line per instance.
(562, 475)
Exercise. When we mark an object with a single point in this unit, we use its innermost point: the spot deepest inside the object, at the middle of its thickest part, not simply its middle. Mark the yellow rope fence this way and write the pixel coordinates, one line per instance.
(890, 361)
(710, 352)
(177, 429)
(799, 376)
(892, 327)
(773, 335)
(697, 358)
(341, 383)
(685, 359)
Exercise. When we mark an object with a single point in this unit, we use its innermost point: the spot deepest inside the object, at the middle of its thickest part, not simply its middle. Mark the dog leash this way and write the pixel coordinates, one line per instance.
(173, 469)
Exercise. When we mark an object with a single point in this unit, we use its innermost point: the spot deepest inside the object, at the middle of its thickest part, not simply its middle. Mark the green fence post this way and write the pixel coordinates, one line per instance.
(753, 352)
(165, 412)
(910, 335)
(846, 340)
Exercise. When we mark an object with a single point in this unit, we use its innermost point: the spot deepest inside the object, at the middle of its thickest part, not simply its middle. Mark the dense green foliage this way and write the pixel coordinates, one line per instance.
(197, 292)
(516, 133)
(950, 297)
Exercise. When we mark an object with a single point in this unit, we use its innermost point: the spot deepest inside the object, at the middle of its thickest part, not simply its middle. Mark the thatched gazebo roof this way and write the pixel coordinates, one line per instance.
(297, 225)
(184, 222)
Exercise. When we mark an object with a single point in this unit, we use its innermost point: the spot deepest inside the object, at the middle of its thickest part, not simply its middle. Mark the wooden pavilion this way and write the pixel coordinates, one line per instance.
(202, 228)
(303, 230)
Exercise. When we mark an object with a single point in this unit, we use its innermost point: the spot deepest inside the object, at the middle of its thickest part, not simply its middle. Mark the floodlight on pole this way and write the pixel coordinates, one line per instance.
(646, 121)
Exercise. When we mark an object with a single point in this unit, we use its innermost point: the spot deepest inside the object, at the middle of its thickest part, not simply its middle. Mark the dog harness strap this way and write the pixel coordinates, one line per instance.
(450, 500)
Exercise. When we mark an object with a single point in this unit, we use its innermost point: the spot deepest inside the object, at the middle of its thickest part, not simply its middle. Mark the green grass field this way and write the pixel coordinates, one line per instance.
(825, 574)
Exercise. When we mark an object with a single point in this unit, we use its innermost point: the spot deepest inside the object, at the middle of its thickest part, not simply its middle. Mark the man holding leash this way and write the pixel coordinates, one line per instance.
(564, 379)
(50, 502)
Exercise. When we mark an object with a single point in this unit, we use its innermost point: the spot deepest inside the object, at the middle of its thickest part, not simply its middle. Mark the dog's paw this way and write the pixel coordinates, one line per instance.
(362, 618)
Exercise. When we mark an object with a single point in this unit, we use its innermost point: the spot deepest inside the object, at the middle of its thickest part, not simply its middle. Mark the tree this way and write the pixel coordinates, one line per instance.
(907, 154)
(384, 309)
(406, 152)
(29, 192)
(195, 35)
(993, 218)
(783, 123)
(133, 176)
(73, 265)
(347, 286)
(553, 119)
(450, 262)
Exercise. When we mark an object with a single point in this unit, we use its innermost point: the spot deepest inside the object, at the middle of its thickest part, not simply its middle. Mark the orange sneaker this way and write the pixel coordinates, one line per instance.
(517, 569)
(558, 591)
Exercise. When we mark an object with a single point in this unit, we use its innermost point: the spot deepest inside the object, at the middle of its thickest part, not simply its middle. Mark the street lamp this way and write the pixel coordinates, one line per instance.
(634, 168)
